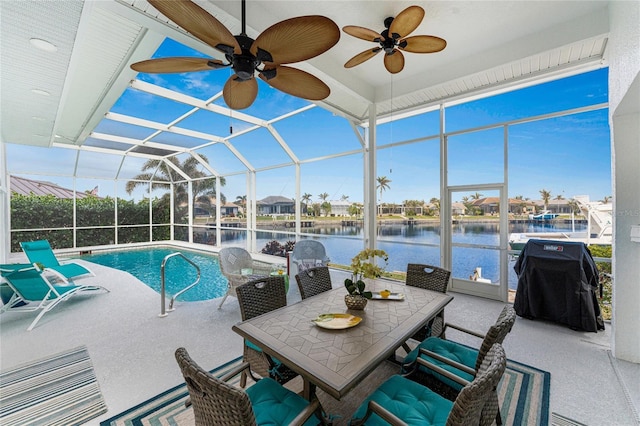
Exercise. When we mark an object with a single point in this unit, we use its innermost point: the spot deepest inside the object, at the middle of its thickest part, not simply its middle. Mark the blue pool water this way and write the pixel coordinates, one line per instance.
(145, 264)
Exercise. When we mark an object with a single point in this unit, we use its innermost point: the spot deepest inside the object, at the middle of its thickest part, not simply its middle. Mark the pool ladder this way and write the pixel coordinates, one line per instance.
(163, 312)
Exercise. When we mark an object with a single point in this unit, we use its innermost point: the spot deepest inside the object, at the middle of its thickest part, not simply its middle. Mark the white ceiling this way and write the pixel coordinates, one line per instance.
(492, 46)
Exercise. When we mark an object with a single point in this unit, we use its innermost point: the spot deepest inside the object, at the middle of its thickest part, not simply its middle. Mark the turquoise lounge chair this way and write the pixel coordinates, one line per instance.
(32, 291)
(40, 252)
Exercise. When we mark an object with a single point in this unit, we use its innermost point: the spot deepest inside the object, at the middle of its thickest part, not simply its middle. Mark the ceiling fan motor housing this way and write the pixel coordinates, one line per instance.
(244, 64)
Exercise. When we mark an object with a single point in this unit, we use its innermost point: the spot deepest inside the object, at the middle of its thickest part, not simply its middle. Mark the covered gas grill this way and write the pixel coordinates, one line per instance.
(558, 281)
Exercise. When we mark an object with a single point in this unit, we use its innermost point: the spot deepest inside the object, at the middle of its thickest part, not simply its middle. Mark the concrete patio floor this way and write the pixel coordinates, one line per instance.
(132, 349)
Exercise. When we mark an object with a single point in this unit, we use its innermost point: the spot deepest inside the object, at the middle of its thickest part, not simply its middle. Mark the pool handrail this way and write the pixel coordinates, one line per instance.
(163, 312)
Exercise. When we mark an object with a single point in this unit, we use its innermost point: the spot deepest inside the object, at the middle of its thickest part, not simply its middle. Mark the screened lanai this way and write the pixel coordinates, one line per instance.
(99, 122)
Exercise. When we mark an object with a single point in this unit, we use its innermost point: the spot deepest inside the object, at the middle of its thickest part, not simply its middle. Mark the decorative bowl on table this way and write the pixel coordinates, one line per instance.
(355, 301)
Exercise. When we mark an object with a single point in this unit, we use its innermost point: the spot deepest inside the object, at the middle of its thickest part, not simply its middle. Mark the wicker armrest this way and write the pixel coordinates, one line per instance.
(386, 415)
(448, 361)
(261, 270)
(305, 414)
(464, 330)
(235, 371)
(442, 371)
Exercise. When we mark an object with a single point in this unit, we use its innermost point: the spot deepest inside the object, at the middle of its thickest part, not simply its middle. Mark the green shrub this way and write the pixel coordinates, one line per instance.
(96, 214)
(606, 279)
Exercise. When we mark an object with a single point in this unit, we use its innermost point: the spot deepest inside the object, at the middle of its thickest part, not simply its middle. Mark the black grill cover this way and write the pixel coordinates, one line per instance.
(558, 281)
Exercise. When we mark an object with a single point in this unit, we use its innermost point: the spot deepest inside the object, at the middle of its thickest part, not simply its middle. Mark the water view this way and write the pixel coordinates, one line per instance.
(415, 243)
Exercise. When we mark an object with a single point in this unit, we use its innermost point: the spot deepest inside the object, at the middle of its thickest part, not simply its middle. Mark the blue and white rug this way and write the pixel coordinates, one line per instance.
(58, 390)
(523, 393)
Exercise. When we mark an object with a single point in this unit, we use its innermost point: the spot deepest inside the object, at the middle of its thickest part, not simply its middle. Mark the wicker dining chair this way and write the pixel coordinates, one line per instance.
(313, 281)
(399, 401)
(238, 267)
(258, 297)
(460, 360)
(216, 402)
(309, 254)
(430, 278)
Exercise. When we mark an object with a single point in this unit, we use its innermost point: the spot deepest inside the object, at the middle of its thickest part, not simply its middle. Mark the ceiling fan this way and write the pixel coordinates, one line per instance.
(289, 41)
(393, 40)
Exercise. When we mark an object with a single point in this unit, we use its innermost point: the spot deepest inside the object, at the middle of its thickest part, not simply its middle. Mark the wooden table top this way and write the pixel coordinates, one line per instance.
(337, 360)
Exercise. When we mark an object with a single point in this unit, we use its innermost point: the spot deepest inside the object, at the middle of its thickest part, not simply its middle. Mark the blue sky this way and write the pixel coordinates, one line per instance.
(567, 156)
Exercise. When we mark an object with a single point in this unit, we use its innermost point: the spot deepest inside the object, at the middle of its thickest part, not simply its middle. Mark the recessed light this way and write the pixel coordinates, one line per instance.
(40, 92)
(43, 45)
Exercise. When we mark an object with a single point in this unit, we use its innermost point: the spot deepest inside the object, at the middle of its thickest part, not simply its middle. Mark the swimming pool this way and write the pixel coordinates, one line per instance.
(144, 264)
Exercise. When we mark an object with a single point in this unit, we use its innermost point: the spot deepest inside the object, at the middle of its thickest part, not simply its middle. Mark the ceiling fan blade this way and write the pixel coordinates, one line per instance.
(240, 94)
(406, 21)
(296, 39)
(362, 33)
(177, 65)
(198, 22)
(296, 82)
(423, 44)
(394, 63)
(362, 56)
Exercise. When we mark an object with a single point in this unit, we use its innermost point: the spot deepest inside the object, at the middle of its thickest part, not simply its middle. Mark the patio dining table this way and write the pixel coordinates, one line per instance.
(336, 360)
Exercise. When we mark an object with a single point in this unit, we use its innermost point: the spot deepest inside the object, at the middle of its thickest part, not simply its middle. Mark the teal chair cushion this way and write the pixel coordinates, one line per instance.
(275, 405)
(450, 350)
(409, 401)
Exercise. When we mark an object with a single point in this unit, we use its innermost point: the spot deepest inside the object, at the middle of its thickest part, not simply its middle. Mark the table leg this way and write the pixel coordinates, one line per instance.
(309, 390)
(309, 393)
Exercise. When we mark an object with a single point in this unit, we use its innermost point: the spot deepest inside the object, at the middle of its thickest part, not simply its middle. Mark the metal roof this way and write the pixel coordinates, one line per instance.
(24, 186)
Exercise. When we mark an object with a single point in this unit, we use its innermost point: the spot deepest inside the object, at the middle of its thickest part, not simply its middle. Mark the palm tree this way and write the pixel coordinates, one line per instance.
(573, 205)
(344, 198)
(159, 171)
(315, 207)
(241, 200)
(476, 196)
(326, 208)
(435, 202)
(306, 199)
(546, 196)
(355, 209)
(324, 196)
(383, 184)
(606, 199)
(468, 204)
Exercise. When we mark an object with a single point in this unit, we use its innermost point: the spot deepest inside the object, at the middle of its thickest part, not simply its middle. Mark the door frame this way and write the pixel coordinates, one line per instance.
(467, 286)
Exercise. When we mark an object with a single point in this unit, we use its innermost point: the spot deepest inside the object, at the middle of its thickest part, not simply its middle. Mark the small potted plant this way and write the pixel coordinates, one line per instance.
(363, 265)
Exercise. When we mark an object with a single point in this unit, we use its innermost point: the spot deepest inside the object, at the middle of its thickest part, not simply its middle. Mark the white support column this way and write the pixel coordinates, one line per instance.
(5, 203)
(252, 218)
(149, 189)
(190, 210)
(218, 212)
(172, 211)
(624, 117)
(298, 205)
(370, 209)
(504, 222)
(445, 202)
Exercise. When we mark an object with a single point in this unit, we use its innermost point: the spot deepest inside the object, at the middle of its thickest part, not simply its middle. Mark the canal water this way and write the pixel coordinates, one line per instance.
(416, 243)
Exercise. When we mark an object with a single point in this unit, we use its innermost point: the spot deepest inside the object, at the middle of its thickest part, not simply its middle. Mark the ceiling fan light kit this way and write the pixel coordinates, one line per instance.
(289, 41)
(393, 40)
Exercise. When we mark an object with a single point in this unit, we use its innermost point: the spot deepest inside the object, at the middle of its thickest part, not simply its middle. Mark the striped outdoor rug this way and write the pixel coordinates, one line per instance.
(524, 393)
(59, 390)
